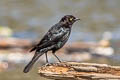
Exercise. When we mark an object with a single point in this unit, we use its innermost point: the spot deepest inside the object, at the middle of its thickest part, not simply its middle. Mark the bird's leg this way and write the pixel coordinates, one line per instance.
(56, 57)
(46, 58)
(47, 62)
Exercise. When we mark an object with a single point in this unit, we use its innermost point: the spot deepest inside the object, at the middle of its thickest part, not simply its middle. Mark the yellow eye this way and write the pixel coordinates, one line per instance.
(71, 19)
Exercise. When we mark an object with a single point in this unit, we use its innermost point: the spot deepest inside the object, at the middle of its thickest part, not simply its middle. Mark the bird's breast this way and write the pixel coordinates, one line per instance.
(63, 40)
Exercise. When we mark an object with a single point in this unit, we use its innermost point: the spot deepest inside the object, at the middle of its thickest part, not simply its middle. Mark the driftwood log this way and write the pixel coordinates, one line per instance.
(14, 43)
(79, 71)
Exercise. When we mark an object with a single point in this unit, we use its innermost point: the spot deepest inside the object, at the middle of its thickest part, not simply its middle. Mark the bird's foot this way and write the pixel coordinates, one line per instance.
(60, 61)
(47, 64)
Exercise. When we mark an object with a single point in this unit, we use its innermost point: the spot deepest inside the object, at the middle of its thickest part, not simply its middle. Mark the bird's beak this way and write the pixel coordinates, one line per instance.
(77, 19)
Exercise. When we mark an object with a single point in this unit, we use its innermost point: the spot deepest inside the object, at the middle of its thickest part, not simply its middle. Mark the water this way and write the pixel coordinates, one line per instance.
(17, 74)
(32, 18)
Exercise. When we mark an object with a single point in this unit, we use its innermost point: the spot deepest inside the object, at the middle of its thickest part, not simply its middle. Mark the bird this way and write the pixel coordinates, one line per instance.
(53, 40)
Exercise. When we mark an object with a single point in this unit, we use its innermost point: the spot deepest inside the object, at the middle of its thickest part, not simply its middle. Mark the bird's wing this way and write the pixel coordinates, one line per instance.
(52, 36)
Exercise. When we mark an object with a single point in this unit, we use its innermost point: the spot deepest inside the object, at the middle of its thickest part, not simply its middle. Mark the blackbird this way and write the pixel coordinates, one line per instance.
(53, 40)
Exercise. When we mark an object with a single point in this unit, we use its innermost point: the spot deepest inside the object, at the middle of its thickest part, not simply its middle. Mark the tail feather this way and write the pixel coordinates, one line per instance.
(30, 64)
(34, 48)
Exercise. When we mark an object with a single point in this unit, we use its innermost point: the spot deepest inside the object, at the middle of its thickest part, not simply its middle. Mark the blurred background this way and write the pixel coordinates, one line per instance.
(96, 38)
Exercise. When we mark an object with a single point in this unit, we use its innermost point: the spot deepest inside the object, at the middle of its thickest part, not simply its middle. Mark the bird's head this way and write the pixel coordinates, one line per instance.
(68, 19)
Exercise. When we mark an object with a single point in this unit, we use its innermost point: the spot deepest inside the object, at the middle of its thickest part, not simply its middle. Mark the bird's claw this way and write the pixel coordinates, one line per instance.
(47, 64)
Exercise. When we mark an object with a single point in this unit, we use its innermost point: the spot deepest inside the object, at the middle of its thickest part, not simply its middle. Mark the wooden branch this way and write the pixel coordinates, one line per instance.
(79, 71)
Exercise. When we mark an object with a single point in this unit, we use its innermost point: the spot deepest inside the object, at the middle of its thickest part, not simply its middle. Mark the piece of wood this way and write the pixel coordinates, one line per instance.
(15, 43)
(79, 71)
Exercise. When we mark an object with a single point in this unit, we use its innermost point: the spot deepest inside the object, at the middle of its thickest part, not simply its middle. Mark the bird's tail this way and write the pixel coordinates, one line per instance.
(30, 64)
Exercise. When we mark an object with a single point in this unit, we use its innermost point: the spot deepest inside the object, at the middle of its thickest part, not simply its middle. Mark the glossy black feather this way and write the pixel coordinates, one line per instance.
(53, 40)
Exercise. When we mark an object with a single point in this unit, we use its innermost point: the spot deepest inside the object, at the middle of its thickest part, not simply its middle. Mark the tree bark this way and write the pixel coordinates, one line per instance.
(79, 71)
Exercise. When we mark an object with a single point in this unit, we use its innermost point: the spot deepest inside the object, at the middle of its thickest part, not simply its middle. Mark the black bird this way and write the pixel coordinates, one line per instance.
(54, 39)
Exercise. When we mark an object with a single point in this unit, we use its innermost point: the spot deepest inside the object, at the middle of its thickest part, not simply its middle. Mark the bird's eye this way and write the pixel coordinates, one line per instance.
(71, 19)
